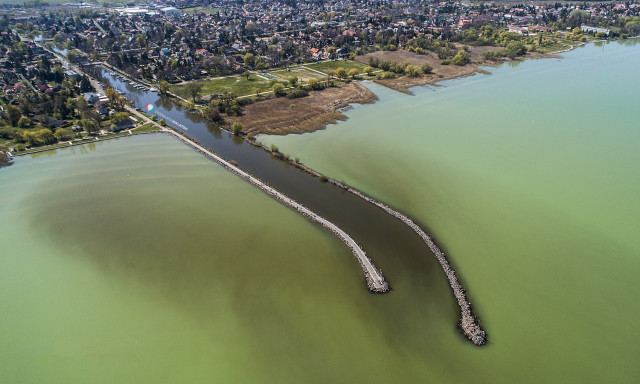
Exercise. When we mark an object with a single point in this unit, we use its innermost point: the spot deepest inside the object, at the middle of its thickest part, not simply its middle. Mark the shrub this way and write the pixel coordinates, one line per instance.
(462, 58)
(236, 128)
(412, 71)
(24, 122)
(315, 84)
(385, 75)
(278, 90)
(296, 93)
(426, 68)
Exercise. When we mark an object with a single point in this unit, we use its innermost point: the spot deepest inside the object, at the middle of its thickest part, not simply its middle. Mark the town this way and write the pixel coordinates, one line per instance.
(218, 57)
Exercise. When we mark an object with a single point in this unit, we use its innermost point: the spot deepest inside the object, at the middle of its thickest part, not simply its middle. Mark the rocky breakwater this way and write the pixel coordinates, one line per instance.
(468, 322)
(373, 276)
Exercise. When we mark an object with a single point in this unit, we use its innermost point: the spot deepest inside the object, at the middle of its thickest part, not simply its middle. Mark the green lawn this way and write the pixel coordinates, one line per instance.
(194, 10)
(326, 66)
(302, 74)
(239, 86)
(149, 127)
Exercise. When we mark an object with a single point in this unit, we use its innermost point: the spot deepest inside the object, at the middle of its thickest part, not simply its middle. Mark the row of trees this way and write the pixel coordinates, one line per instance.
(404, 68)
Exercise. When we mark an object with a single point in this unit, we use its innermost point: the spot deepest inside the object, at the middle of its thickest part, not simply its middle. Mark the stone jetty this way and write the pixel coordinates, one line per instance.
(373, 276)
(468, 322)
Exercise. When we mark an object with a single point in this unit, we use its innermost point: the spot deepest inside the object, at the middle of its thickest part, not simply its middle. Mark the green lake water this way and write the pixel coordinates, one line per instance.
(140, 261)
(530, 179)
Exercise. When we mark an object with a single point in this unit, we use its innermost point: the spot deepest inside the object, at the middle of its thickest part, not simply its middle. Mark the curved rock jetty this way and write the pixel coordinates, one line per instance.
(375, 280)
(468, 322)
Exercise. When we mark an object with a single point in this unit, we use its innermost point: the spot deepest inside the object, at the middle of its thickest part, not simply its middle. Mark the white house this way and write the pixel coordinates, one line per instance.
(171, 11)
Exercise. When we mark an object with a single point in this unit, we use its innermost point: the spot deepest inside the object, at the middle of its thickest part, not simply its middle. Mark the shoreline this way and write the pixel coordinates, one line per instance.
(315, 112)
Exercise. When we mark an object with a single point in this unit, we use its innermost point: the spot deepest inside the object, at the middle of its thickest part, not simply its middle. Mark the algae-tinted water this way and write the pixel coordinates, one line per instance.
(141, 261)
(530, 179)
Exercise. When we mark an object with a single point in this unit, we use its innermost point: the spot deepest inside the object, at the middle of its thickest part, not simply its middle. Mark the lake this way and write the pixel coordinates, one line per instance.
(139, 260)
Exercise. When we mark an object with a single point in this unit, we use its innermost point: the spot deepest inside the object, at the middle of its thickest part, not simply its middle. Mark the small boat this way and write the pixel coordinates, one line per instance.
(153, 89)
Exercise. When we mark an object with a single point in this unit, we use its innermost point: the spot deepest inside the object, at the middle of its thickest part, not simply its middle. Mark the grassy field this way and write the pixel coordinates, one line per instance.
(149, 127)
(326, 66)
(194, 10)
(302, 74)
(239, 86)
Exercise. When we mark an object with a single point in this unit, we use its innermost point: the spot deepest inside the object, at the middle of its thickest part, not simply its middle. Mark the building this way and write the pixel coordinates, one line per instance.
(594, 30)
(171, 11)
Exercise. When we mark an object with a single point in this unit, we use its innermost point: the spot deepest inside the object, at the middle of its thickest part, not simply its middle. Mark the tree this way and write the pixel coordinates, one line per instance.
(274, 148)
(63, 134)
(461, 58)
(293, 81)
(313, 83)
(40, 137)
(353, 73)
(85, 85)
(163, 87)
(278, 89)
(236, 128)
(368, 70)
(115, 100)
(260, 64)
(515, 48)
(119, 117)
(341, 73)
(24, 122)
(426, 68)
(212, 113)
(412, 71)
(193, 88)
(249, 60)
(330, 74)
(14, 114)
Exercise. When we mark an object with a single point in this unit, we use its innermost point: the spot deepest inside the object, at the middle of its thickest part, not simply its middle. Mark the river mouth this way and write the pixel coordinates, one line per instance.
(392, 246)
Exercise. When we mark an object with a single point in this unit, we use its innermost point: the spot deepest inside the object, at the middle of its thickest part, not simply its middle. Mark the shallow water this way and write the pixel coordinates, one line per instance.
(529, 178)
(138, 260)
